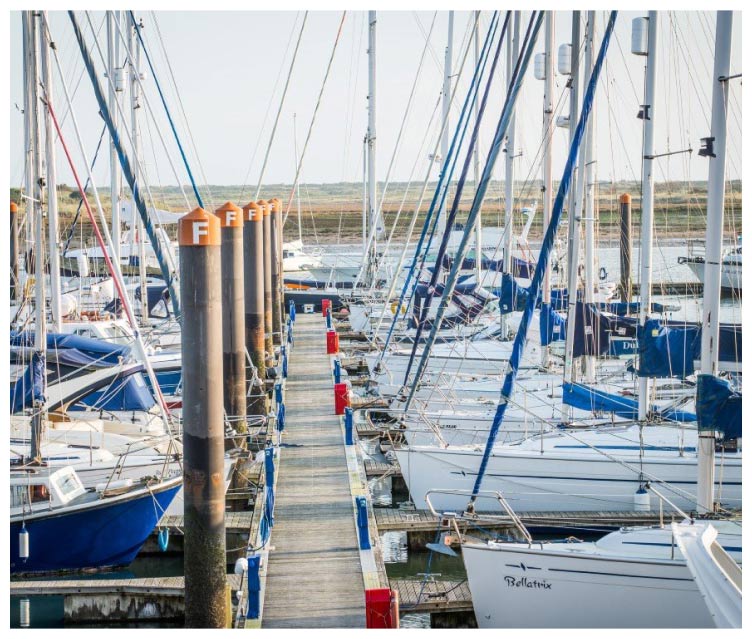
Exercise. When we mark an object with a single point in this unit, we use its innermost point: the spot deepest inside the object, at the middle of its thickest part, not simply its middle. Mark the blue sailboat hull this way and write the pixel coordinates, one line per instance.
(96, 537)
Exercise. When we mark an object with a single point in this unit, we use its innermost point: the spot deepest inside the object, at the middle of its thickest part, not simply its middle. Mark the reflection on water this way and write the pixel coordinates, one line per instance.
(402, 563)
(47, 612)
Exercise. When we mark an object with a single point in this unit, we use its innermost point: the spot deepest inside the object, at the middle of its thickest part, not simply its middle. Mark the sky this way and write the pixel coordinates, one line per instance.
(230, 68)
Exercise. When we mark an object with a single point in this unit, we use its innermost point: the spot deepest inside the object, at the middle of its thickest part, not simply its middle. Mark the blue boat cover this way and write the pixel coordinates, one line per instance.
(30, 386)
(520, 268)
(553, 327)
(125, 393)
(598, 401)
(669, 349)
(719, 407)
(591, 330)
(512, 296)
(631, 308)
(88, 349)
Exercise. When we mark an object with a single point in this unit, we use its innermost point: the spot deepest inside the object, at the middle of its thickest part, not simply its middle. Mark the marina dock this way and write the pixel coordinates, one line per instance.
(314, 573)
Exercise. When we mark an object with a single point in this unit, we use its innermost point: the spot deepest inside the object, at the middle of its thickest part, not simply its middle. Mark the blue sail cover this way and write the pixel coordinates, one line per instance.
(30, 386)
(665, 351)
(123, 394)
(587, 398)
(598, 401)
(591, 330)
(87, 349)
(520, 268)
(512, 296)
(553, 326)
(719, 407)
(669, 349)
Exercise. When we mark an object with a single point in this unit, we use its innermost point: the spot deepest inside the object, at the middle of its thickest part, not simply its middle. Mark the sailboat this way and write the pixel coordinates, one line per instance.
(56, 523)
(666, 576)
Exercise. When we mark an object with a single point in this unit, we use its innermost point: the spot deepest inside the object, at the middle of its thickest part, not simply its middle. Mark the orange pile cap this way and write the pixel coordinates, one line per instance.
(199, 228)
(230, 215)
(625, 198)
(13, 207)
(265, 206)
(252, 212)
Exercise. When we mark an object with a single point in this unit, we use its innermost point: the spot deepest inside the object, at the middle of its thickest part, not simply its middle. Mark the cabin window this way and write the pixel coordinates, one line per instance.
(68, 484)
(19, 495)
(160, 310)
(39, 492)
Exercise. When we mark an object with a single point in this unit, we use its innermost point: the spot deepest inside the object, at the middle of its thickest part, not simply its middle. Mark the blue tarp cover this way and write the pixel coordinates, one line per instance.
(553, 327)
(719, 407)
(669, 349)
(30, 386)
(126, 393)
(512, 296)
(95, 349)
(592, 399)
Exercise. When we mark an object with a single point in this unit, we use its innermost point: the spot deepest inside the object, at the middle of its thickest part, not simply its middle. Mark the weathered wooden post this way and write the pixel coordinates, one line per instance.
(268, 327)
(253, 260)
(203, 425)
(233, 320)
(625, 244)
(276, 269)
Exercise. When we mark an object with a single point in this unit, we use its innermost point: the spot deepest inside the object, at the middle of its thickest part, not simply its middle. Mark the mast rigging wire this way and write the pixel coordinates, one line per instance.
(313, 118)
(438, 266)
(282, 102)
(548, 242)
(126, 166)
(167, 110)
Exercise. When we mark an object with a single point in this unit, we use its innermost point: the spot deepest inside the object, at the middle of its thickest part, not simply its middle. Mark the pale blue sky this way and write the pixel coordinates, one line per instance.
(226, 65)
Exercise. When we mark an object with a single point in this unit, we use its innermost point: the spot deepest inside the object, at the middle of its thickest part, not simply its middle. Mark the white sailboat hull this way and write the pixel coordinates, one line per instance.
(521, 587)
(565, 475)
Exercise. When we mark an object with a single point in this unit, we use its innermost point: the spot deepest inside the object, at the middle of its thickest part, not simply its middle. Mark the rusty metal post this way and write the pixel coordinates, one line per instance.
(253, 261)
(233, 316)
(203, 426)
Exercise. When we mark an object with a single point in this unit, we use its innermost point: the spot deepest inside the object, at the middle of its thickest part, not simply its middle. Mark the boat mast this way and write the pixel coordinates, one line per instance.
(714, 247)
(138, 227)
(297, 189)
(52, 212)
(113, 55)
(446, 105)
(40, 329)
(589, 196)
(513, 52)
(28, 146)
(371, 142)
(548, 130)
(573, 244)
(647, 113)
(476, 161)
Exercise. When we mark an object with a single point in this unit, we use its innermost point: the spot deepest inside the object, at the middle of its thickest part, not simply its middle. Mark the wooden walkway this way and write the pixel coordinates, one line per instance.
(314, 577)
(432, 596)
(397, 519)
(155, 585)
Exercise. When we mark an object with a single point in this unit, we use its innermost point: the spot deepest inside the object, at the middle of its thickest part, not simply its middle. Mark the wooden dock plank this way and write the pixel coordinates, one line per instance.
(432, 596)
(314, 577)
(397, 519)
(156, 585)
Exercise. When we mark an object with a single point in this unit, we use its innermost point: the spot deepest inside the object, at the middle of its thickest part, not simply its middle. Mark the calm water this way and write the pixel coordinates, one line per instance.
(47, 612)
